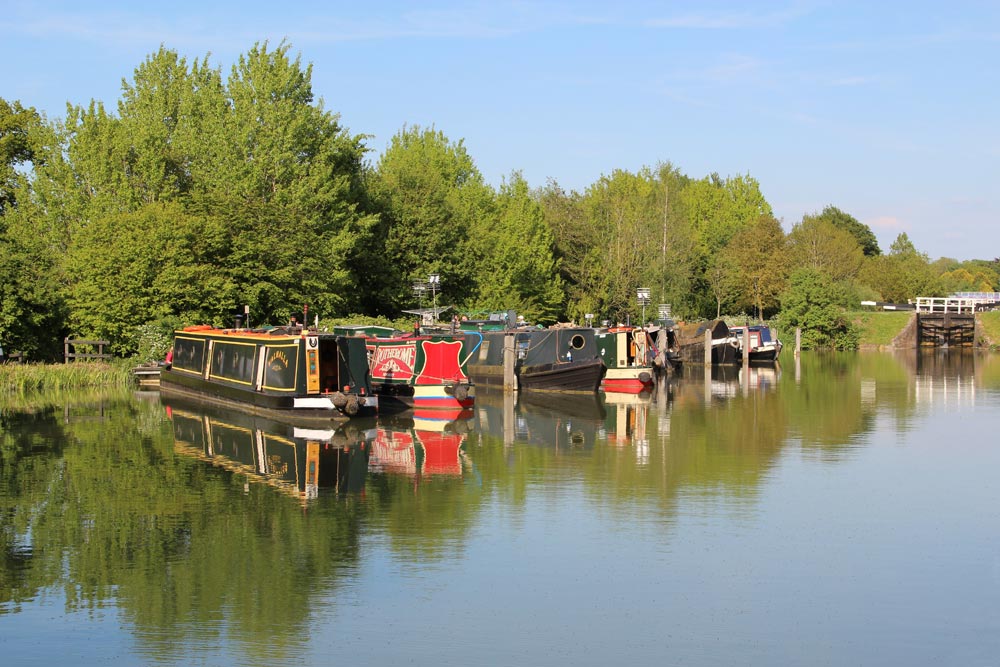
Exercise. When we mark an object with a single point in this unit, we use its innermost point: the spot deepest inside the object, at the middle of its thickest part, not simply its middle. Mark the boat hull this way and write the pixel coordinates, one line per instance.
(280, 409)
(569, 376)
(628, 380)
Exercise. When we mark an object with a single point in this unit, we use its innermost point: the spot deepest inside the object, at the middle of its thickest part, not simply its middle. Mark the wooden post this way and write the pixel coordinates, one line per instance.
(509, 359)
(708, 347)
(798, 341)
(745, 348)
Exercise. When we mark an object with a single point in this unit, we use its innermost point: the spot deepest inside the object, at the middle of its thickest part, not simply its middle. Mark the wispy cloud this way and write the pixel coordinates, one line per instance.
(848, 81)
(729, 20)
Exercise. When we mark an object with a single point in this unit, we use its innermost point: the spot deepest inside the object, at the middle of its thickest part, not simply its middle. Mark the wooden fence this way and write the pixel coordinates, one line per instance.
(70, 353)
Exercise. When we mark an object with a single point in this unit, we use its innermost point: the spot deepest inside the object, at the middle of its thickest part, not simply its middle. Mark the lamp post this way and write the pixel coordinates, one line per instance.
(643, 295)
(419, 289)
(434, 282)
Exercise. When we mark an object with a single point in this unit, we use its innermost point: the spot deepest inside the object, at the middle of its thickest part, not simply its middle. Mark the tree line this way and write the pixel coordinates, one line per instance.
(203, 192)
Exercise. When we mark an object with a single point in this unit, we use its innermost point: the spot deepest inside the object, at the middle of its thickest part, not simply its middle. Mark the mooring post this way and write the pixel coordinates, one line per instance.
(798, 341)
(509, 381)
(708, 346)
(745, 348)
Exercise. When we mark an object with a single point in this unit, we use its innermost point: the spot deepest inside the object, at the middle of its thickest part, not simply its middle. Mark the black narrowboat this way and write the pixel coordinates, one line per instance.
(283, 372)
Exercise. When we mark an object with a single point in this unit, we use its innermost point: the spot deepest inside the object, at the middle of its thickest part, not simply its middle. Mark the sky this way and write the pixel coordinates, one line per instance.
(887, 110)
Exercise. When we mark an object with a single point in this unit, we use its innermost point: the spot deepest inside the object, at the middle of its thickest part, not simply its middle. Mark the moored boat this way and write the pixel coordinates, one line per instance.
(419, 372)
(764, 346)
(286, 373)
(554, 359)
(627, 356)
(691, 341)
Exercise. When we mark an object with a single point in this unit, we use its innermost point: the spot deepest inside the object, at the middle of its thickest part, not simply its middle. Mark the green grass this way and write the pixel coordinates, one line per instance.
(879, 328)
(26, 378)
(990, 322)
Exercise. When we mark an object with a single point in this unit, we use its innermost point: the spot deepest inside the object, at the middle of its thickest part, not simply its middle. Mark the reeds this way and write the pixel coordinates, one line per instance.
(29, 378)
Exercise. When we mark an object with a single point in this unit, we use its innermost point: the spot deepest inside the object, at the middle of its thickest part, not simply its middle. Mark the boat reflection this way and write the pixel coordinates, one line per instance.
(626, 421)
(301, 461)
(421, 446)
(297, 461)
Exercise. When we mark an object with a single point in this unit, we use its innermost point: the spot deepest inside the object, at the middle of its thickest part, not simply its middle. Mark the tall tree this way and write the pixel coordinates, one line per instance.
(516, 267)
(861, 232)
(431, 194)
(757, 255)
(16, 124)
(819, 244)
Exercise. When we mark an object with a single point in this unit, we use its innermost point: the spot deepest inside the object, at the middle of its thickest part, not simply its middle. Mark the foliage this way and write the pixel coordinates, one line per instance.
(819, 244)
(901, 275)
(813, 303)
(861, 232)
(16, 129)
(431, 195)
(517, 269)
(757, 257)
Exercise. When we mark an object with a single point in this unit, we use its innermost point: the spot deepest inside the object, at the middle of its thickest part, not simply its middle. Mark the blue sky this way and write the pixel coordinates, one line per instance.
(888, 111)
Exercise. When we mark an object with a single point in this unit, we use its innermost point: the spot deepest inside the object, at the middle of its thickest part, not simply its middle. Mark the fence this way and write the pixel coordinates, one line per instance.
(70, 353)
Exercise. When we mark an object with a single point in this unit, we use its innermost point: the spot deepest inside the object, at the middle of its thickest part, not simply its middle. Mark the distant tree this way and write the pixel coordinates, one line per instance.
(757, 254)
(903, 274)
(820, 244)
(860, 231)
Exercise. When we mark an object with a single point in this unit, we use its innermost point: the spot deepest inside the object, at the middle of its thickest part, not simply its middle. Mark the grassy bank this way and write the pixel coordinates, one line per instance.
(25, 378)
(879, 327)
(990, 323)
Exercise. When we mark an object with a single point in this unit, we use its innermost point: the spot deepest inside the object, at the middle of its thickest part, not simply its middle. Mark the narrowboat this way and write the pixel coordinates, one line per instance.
(764, 347)
(285, 373)
(418, 372)
(627, 353)
(553, 359)
(691, 341)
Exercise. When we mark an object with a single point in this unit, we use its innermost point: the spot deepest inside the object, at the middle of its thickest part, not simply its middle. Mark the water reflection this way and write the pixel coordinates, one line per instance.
(216, 538)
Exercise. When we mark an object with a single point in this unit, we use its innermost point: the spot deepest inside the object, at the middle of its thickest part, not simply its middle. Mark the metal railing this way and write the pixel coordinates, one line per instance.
(929, 304)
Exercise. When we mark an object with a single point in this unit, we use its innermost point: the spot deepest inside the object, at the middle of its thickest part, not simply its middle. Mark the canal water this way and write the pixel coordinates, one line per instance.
(844, 509)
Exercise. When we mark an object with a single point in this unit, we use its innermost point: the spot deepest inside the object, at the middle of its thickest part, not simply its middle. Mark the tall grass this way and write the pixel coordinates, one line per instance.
(27, 378)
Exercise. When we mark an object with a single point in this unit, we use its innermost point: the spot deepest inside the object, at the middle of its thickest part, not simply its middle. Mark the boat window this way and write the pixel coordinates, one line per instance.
(189, 354)
(234, 361)
(577, 342)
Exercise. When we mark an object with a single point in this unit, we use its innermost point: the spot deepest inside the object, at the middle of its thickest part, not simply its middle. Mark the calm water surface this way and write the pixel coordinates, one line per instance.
(845, 510)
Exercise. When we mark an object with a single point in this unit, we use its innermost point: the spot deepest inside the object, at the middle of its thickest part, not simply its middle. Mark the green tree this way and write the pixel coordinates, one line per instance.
(430, 194)
(757, 255)
(903, 274)
(16, 125)
(861, 232)
(813, 302)
(819, 244)
(517, 268)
